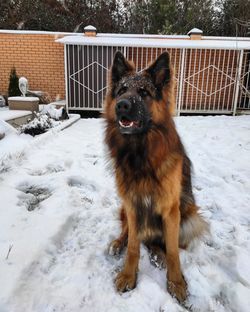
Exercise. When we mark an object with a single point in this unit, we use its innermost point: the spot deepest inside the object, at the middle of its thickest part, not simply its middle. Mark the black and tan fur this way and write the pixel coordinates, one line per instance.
(152, 170)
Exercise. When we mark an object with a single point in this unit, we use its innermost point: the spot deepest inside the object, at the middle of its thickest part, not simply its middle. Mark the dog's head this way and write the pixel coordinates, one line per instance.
(136, 102)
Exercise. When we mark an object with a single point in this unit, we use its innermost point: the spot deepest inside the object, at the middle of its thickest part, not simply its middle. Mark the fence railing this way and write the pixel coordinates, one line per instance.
(244, 82)
(207, 80)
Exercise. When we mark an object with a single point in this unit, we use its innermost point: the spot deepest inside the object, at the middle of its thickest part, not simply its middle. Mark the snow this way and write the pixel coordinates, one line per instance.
(59, 102)
(90, 28)
(195, 31)
(57, 34)
(59, 211)
(154, 42)
(23, 98)
(7, 114)
(14, 145)
(6, 128)
(52, 111)
(32, 32)
(35, 32)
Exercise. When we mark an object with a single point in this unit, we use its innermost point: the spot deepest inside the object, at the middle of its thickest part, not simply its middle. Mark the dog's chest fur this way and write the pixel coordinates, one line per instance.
(149, 223)
(138, 179)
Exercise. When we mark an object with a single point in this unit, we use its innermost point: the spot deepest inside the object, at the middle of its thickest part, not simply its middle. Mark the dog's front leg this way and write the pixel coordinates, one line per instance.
(175, 282)
(117, 245)
(126, 279)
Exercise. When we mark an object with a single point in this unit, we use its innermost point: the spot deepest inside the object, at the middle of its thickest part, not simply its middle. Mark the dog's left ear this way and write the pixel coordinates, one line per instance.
(120, 67)
(159, 71)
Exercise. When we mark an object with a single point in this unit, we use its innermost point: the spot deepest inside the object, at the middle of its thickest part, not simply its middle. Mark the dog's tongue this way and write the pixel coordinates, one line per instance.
(127, 123)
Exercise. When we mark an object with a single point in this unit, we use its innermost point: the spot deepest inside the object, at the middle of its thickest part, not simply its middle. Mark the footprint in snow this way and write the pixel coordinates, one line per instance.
(32, 196)
(50, 168)
(79, 182)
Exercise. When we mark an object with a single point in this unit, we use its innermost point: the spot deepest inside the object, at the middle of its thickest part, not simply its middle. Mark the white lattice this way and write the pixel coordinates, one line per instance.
(92, 68)
(209, 70)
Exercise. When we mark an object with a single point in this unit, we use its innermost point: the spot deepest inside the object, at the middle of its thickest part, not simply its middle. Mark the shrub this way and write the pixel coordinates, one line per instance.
(13, 89)
(40, 124)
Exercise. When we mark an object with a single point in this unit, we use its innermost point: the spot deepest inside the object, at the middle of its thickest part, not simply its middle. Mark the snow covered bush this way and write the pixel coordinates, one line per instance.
(40, 124)
(48, 118)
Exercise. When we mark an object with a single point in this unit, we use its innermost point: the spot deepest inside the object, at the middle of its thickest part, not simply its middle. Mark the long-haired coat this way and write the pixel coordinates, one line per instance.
(152, 170)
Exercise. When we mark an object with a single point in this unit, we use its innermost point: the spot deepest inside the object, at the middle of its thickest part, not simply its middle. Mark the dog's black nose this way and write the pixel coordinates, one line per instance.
(123, 107)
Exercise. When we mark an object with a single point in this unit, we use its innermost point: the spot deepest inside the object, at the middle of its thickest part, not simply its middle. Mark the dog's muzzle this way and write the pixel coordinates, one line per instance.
(126, 117)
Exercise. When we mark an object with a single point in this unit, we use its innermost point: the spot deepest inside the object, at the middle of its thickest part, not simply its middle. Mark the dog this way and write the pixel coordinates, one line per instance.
(152, 170)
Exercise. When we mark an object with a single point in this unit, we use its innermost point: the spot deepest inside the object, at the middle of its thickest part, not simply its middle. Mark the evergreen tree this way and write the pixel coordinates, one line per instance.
(231, 9)
(13, 89)
(180, 16)
(214, 17)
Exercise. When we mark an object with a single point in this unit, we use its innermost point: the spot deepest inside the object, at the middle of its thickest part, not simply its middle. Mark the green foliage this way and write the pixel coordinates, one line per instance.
(57, 15)
(231, 9)
(13, 89)
(214, 17)
(187, 14)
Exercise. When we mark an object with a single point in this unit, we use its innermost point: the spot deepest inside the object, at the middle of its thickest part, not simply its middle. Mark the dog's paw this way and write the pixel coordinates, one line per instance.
(178, 289)
(125, 282)
(115, 248)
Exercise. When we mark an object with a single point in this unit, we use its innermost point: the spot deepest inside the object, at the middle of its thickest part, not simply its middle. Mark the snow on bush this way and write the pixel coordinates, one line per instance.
(40, 124)
(49, 117)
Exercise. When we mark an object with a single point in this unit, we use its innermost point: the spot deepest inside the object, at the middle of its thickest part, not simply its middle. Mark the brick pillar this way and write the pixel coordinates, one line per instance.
(90, 31)
(195, 34)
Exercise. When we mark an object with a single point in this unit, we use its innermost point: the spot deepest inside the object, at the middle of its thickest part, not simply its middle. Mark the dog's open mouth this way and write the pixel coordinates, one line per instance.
(126, 123)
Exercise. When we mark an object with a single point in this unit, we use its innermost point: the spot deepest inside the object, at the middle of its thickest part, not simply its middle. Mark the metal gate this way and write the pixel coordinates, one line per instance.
(143, 57)
(206, 79)
(86, 75)
(244, 82)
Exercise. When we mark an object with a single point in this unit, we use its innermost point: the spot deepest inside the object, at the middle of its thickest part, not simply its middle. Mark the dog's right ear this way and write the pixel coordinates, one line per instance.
(121, 67)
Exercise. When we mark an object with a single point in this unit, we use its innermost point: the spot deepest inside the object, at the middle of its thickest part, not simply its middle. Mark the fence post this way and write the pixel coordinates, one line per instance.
(125, 52)
(238, 75)
(181, 81)
(66, 78)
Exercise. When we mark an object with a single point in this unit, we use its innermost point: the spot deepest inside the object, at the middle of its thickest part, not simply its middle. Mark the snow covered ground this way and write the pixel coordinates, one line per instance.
(58, 212)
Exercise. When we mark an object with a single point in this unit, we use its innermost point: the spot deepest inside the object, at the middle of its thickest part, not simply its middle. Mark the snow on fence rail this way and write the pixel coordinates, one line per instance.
(212, 76)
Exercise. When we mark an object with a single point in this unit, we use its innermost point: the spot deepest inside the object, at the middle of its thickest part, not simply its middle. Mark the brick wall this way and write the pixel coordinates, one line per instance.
(35, 56)
(208, 79)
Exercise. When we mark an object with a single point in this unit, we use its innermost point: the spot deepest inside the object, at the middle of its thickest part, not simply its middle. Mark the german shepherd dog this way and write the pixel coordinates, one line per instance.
(152, 170)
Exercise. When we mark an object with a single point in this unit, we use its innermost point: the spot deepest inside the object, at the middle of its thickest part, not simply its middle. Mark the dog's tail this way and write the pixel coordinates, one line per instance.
(192, 226)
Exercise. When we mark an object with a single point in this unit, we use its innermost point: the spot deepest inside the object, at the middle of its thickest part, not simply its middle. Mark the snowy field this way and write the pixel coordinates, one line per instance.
(59, 211)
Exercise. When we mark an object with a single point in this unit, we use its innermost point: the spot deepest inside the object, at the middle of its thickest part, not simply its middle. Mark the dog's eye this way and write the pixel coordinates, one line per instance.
(143, 92)
(122, 90)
